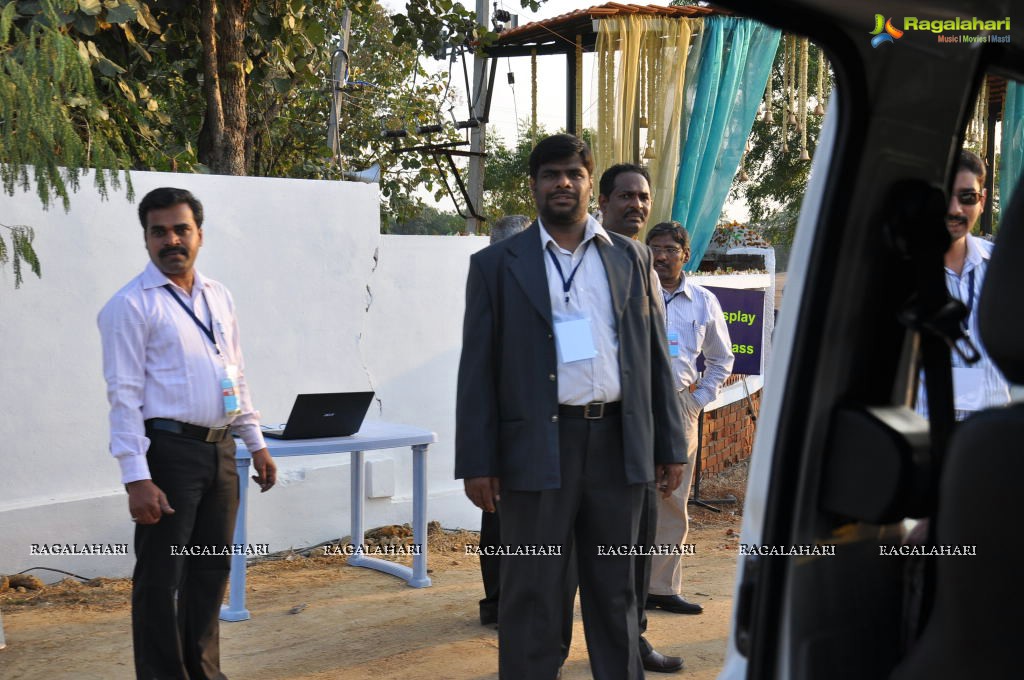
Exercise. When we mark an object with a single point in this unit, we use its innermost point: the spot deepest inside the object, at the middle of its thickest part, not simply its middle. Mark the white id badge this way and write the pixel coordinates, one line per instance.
(968, 388)
(574, 340)
(229, 391)
(673, 344)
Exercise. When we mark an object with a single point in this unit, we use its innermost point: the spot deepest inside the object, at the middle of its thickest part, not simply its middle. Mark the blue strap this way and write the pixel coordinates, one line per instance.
(567, 284)
(970, 292)
(208, 332)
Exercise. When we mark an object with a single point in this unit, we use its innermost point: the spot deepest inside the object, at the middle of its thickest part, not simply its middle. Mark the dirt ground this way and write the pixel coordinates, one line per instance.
(315, 618)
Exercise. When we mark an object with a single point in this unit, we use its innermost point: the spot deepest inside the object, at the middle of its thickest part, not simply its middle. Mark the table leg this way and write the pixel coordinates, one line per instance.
(235, 609)
(417, 576)
(357, 500)
(419, 516)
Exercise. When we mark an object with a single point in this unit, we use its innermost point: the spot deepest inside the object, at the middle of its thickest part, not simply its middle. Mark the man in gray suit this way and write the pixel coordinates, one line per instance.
(564, 392)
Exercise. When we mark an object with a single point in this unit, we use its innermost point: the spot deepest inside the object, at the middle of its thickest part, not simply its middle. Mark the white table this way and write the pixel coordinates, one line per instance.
(372, 436)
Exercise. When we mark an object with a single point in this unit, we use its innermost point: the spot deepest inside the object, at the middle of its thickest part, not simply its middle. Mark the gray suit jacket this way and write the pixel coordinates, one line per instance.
(505, 423)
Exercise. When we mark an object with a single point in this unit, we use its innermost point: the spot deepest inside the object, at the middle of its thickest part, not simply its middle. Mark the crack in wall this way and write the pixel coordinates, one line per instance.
(359, 338)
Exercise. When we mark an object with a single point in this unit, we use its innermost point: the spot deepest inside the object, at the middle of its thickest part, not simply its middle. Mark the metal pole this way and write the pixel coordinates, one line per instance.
(477, 135)
(570, 93)
(990, 177)
(339, 71)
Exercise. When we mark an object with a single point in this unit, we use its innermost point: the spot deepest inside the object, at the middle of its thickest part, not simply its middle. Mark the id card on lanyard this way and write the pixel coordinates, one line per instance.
(673, 336)
(229, 382)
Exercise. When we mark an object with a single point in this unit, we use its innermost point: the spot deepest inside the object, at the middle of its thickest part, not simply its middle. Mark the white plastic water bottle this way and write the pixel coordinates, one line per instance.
(229, 391)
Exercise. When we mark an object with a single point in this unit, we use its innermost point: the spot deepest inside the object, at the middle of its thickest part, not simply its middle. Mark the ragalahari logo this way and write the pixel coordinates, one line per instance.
(884, 31)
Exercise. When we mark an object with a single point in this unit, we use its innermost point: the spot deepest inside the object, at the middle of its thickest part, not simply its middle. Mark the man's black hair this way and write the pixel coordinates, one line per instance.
(557, 148)
(607, 185)
(673, 229)
(165, 197)
(972, 163)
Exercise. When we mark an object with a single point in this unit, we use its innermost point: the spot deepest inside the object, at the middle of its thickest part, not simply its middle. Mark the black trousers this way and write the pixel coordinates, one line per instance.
(490, 565)
(647, 534)
(490, 572)
(594, 509)
(176, 598)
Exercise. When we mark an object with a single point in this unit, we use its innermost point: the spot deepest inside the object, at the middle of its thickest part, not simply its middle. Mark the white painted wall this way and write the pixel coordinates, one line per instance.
(325, 304)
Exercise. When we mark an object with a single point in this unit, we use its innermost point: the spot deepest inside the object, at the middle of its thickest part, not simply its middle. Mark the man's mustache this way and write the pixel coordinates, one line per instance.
(172, 250)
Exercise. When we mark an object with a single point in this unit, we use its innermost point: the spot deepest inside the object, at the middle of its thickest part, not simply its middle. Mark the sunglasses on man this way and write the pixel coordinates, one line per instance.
(968, 197)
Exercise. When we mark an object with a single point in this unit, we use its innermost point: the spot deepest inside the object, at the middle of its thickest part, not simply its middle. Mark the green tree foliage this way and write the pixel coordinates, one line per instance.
(53, 124)
(430, 220)
(506, 180)
(434, 25)
(19, 251)
(778, 178)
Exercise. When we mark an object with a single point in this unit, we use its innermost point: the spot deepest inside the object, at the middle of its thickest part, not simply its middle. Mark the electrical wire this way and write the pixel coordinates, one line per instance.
(59, 571)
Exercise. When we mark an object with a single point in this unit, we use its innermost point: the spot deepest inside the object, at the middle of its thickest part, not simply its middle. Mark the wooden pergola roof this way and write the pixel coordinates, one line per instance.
(557, 35)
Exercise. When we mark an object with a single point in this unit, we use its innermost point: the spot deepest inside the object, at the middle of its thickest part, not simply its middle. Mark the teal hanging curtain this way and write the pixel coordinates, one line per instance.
(1012, 149)
(735, 62)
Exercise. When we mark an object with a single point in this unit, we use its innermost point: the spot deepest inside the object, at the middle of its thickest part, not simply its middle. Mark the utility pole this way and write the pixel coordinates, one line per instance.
(339, 80)
(477, 135)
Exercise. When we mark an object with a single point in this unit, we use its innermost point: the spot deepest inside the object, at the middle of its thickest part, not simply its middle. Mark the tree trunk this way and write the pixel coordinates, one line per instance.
(231, 61)
(222, 33)
(211, 137)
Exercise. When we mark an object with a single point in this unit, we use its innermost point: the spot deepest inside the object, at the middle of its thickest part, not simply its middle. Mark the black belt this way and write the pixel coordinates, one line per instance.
(204, 434)
(595, 410)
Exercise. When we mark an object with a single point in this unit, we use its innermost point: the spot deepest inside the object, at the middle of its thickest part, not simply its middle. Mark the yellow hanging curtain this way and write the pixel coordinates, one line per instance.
(652, 50)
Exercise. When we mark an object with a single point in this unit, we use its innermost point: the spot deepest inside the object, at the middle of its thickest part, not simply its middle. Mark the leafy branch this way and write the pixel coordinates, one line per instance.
(20, 251)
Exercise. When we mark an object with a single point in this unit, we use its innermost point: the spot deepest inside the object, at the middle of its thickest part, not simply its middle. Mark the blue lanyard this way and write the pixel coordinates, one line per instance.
(567, 284)
(208, 332)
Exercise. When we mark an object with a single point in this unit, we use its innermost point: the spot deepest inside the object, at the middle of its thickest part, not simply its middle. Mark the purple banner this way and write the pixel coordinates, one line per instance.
(744, 314)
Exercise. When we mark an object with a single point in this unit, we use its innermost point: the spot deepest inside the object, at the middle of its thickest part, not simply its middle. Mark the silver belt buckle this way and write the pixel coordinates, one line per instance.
(215, 434)
(600, 412)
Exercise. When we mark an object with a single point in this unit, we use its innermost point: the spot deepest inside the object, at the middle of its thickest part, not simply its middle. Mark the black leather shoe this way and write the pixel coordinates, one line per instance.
(673, 603)
(657, 662)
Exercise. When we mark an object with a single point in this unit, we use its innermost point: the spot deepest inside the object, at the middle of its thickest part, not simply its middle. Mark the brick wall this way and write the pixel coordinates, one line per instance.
(728, 435)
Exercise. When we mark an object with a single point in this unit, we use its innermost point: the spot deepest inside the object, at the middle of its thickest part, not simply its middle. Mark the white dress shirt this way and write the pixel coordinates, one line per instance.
(596, 379)
(994, 390)
(694, 313)
(159, 364)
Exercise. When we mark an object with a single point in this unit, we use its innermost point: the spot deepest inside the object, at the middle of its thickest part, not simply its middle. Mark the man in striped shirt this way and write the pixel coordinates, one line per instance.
(695, 325)
(981, 385)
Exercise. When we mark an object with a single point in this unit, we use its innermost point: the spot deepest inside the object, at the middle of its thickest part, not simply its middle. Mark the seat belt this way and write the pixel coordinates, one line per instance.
(919, 235)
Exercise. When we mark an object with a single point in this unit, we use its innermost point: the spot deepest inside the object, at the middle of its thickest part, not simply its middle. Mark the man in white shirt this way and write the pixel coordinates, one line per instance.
(695, 325)
(177, 392)
(980, 385)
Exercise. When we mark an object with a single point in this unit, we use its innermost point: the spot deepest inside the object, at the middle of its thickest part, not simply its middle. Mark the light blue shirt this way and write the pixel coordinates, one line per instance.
(694, 314)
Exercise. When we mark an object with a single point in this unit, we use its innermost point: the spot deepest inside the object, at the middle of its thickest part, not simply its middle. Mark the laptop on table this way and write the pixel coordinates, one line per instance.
(332, 414)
